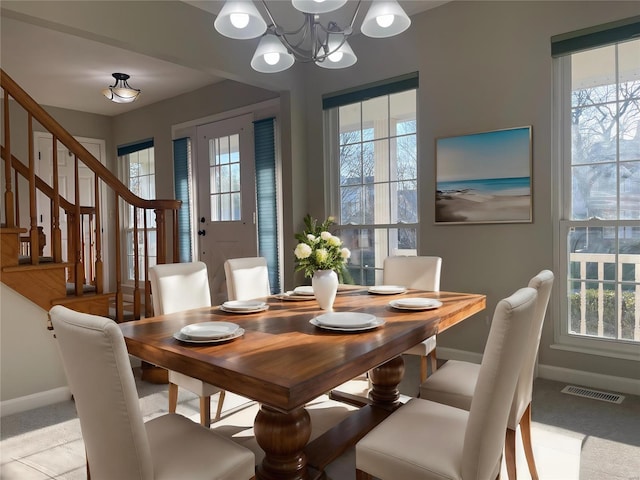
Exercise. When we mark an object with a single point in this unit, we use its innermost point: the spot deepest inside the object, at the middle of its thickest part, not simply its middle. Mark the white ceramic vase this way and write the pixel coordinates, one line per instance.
(325, 287)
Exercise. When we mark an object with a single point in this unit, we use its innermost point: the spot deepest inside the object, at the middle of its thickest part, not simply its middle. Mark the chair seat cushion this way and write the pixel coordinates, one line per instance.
(396, 449)
(181, 448)
(452, 384)
(200, 388)
(424, 348)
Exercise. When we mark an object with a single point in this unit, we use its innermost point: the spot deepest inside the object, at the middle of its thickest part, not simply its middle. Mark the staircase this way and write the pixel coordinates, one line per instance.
(74, 277)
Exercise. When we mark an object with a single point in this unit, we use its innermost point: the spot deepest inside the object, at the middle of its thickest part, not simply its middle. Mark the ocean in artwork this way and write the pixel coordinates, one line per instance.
(489, 200)
(489, 186)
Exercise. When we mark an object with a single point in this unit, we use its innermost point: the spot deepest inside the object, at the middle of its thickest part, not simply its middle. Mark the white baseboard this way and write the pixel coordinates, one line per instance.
(36, 400)
(588, 379)
(559, 374)
(462, 355)
(42, 399)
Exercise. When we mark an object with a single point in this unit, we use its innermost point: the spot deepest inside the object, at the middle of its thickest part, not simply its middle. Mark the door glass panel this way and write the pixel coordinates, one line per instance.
(224, 186)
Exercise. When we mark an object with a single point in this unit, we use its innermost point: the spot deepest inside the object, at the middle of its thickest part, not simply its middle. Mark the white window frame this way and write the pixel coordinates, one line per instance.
(332, 188)
(123, 160)
(561, 185)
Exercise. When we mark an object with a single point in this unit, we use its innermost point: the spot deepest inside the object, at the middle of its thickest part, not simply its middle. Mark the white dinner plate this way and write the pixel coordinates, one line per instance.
(293, 297)
(387, 289)
(244, 310)
(415, 303)
(303, 290)
(242, 305)
(374, 324)
(238, 333)
(208, 330)
(345, 319)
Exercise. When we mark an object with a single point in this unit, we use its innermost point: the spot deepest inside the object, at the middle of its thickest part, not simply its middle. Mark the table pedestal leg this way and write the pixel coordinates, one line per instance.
(282, 437)
(385, 380)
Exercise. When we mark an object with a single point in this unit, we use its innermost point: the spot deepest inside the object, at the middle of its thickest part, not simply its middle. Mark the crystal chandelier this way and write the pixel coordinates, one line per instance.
(326, 46)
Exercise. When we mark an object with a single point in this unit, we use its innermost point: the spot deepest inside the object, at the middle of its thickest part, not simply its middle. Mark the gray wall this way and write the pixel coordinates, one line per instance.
(482, 66)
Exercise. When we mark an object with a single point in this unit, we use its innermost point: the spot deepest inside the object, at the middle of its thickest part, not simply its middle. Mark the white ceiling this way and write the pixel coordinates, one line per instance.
(77, 69)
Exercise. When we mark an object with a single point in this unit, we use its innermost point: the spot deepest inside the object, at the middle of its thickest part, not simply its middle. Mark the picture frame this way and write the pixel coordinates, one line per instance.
(485, 177)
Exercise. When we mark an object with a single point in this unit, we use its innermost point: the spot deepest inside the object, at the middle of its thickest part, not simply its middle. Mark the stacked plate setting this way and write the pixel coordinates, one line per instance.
(347, 321)
(302, 293)
(305, 290)
(207, 332)
(387, 289)
(244, 306)
(415, 303)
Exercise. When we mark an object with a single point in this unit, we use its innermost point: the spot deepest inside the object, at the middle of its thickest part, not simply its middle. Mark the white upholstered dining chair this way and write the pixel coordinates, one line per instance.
(454, 384)
(428, 440)
(247, 278)
(423, 273)
(176, 287)
(118, 443)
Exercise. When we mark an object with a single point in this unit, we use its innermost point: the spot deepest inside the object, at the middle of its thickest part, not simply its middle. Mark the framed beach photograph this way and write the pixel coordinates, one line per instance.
(484, 177)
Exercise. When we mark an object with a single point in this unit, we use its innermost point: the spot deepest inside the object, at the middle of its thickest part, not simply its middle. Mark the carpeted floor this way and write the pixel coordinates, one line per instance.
(574, 438)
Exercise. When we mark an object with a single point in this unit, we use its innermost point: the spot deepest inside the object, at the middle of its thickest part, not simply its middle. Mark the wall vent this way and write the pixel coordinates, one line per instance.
(594, 394)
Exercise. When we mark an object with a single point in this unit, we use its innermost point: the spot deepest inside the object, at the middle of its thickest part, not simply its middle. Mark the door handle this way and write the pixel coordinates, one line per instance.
(202, 233)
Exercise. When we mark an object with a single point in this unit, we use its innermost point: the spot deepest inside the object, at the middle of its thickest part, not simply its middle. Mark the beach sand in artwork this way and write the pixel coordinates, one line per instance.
(467, 206)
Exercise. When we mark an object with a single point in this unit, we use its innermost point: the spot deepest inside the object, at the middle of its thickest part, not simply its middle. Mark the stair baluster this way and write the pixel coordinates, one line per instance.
(84, 255)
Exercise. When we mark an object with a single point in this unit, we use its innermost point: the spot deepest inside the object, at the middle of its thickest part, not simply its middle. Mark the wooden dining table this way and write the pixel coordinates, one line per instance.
(283, 361)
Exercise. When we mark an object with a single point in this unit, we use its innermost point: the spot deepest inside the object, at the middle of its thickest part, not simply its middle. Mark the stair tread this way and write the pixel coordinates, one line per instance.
(25, 260)
(71, 288)
(79, 298)
(40, 266)
(4, 229)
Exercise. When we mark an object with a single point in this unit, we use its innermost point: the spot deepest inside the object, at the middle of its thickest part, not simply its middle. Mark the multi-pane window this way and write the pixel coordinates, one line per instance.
(140, 171)
(600, 214)
(376, 195)
(224, 171)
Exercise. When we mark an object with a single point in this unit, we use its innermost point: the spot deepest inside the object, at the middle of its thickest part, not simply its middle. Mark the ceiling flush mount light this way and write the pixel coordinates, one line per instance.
(120, 91)
(326, 46)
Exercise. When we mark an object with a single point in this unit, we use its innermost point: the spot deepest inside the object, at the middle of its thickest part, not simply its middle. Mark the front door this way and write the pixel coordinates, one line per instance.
(226, 197)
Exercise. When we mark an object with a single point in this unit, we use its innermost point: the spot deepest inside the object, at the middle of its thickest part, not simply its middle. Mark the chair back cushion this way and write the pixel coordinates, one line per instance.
(421, 272)
(176, 287)
(247, 278)
(99, 373)
(542, 282)
(501, 364)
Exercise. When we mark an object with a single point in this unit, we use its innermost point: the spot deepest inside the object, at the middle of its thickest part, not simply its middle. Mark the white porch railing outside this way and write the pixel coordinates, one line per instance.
(583, 259)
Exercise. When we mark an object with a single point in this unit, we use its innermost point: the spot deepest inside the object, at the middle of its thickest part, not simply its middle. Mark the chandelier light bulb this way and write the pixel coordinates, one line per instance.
(341, 56)
(239, 20)
(335, 56)
(384, 21)
(272, 58)
(385, 18)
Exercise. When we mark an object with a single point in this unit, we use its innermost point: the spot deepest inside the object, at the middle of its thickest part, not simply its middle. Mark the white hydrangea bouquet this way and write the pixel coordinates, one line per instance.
(319, 249)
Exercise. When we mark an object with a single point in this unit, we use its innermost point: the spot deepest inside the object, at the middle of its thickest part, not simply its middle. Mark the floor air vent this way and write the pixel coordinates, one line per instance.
(595, 394)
